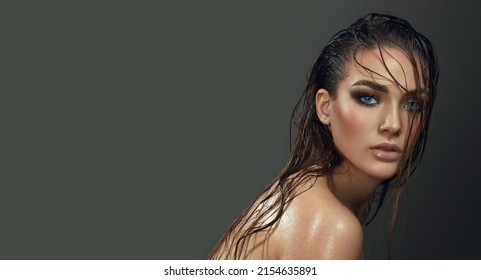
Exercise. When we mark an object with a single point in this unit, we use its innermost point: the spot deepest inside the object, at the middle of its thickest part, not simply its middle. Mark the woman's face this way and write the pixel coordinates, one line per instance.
(370, 116)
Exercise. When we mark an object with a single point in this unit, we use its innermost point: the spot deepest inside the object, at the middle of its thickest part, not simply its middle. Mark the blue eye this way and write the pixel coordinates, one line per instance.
(412, 106)
(367, 100)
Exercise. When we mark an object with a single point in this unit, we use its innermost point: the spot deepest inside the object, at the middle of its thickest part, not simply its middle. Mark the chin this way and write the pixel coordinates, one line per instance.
(384, 173)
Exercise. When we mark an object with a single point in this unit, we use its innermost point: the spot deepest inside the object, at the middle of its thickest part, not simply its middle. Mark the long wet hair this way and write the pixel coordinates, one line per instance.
(314, 153)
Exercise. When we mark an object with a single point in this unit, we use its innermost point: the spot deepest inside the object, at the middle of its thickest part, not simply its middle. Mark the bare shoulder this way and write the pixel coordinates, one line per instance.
(316, 225)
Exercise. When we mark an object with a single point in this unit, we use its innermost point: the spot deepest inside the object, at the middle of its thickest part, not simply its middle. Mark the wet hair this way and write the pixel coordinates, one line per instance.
(314, 153)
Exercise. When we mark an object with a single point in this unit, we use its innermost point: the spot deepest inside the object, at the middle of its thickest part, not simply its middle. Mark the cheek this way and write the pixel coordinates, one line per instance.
(414, 132)
(349, 124)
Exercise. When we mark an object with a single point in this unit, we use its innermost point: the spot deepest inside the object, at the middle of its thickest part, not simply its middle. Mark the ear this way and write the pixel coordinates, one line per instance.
(323, 106)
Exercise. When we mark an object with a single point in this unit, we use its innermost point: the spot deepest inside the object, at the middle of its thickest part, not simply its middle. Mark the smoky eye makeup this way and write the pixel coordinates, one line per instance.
(412, 106)
(412, 103)
(365, 98)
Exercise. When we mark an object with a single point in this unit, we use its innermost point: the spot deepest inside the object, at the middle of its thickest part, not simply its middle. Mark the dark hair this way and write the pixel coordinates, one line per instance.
(314, 153)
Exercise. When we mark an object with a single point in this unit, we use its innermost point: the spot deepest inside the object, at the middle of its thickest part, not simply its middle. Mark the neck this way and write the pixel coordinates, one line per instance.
(353, 188)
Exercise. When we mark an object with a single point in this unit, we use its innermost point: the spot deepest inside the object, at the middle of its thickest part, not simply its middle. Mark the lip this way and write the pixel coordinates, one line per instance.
(386, 151)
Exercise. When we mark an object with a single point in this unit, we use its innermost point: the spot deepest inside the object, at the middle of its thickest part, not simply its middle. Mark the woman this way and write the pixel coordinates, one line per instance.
(362, 126)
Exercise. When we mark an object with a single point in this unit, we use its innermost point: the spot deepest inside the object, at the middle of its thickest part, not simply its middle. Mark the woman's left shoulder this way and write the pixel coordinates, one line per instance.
(315, 225)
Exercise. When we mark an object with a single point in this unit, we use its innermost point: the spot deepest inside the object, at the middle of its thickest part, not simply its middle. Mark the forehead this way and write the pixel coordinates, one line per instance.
(386, 66)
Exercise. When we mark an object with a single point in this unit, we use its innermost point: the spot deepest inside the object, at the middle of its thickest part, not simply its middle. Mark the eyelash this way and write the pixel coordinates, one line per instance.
(417, 106)
(361, 99)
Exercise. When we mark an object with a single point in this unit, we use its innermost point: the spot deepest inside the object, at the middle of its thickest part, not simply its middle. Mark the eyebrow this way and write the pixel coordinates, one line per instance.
(371, 84)
(378, 87)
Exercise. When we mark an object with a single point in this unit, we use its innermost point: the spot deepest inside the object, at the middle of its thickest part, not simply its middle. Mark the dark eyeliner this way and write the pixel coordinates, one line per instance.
(360, 98)
(417, 106)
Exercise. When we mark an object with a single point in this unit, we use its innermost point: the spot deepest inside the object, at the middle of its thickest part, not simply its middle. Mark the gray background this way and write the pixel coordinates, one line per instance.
(141, 130)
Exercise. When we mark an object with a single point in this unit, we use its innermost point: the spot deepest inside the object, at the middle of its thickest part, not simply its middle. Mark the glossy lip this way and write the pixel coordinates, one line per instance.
(386, 151)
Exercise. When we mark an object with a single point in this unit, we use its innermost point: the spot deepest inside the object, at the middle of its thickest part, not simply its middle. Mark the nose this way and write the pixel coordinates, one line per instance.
(391, 122)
